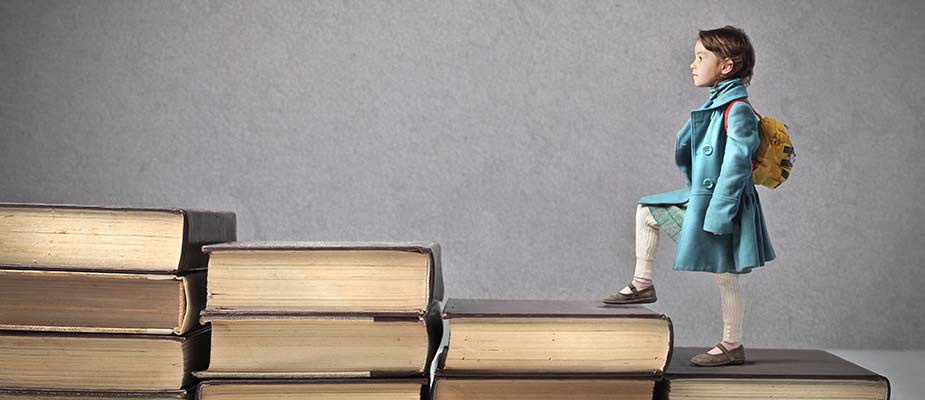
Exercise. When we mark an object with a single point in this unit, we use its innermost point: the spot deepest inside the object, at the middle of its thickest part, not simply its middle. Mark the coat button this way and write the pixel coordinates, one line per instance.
(707, 149)
(708, 183)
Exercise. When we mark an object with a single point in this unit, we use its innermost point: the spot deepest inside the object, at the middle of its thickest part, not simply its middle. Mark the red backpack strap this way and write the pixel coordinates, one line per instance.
(726, 122)
(729, 107)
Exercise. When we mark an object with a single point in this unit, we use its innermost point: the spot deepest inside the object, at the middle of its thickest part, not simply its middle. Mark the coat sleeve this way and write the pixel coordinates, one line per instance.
(741, 143)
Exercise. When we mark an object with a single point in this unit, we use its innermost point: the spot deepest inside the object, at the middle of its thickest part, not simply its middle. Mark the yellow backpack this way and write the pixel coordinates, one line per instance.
(775, 156)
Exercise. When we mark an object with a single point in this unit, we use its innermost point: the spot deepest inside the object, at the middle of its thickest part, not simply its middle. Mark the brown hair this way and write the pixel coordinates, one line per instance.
(731, 42)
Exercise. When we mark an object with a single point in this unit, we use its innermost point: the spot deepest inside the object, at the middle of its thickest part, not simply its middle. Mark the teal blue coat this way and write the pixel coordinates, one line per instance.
(720, 194)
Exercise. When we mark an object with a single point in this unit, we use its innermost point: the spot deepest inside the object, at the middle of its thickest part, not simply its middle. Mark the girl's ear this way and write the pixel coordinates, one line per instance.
(726, 68)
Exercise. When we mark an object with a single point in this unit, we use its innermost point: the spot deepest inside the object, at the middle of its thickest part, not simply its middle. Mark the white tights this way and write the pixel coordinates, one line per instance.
(730, 293)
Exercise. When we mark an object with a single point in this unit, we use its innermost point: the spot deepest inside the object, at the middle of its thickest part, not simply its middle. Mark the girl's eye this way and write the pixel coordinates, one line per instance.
(700, 57)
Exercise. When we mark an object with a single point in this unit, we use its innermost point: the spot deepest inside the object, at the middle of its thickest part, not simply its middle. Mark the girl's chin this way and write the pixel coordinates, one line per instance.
(701, 83)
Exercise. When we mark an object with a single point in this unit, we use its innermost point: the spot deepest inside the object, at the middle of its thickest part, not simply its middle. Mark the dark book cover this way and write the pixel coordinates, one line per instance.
(772, 364)
(493, 308)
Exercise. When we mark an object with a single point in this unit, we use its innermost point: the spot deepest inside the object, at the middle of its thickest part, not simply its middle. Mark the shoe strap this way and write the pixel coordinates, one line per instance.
(633, 289)
(725, 352)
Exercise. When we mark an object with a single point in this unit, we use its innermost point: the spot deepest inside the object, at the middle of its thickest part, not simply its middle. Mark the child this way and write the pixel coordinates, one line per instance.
(716, 220)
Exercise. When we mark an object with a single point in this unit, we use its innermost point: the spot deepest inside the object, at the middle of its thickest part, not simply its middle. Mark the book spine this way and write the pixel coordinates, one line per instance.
(662, 388)
(193, 292)
(199, 389)
(430, 393)
(437, 290)
(203, 228)
(196, 348)
(670, 343)
(433, 322)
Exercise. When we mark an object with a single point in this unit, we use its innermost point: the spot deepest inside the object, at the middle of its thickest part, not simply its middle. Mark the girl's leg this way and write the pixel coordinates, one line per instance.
(733, 311)
(646, 243)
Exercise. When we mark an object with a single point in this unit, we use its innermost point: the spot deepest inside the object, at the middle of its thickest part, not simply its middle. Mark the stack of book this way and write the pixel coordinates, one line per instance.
(546, 349)
(322, 320)
(102, 302)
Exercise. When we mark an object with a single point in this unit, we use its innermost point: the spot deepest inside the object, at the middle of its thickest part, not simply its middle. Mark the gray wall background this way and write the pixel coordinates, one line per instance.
(518, 134)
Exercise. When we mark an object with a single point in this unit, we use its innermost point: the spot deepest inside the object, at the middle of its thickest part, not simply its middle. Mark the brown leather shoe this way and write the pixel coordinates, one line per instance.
(643, 296)
(729, 357)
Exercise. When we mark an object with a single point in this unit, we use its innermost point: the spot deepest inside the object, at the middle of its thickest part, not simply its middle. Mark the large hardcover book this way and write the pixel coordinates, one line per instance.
(324, 277)
(310, 345)
(626, 387)
(107, 362)
(517, 337)
(315, 389)
(68, 301)
(36, 394)
(773, 373)
(104, 238)
(470, 385)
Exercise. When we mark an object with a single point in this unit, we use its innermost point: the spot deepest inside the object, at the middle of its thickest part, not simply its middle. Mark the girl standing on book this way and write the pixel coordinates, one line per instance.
(716, 220)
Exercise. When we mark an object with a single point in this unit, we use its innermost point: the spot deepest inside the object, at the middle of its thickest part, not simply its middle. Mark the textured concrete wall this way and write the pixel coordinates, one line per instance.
(518, 134)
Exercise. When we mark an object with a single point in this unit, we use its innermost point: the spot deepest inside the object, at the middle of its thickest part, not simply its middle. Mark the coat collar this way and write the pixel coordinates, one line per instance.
(724, 92)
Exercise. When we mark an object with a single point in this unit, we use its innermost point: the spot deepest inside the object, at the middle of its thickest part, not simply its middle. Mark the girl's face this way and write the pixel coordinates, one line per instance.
(708, 68)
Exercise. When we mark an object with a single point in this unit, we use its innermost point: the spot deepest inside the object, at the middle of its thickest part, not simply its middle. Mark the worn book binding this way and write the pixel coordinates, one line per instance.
(97, 302)
(430, 319)
(271, 387)
(435, 287)
(507, 322)
(199, 227)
